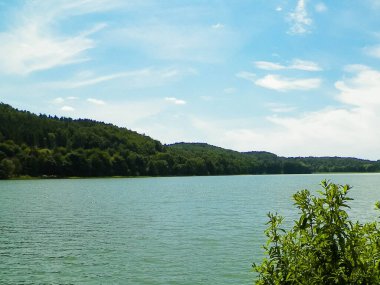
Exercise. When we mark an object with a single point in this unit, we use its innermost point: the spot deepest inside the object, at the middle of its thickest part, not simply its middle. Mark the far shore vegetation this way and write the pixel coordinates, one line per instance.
(40, 146)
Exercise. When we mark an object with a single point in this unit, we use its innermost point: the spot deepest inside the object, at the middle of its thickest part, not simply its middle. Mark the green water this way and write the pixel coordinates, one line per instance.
(194, 230)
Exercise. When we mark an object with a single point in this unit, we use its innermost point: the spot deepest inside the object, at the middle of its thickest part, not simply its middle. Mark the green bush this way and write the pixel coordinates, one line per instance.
(324, 246)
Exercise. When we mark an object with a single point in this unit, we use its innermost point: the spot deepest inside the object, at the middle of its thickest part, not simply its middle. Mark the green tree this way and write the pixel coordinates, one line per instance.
(120, 166)
(7, 168)
(158, 167)
(324, 246)
(293, 167)
(101, 163)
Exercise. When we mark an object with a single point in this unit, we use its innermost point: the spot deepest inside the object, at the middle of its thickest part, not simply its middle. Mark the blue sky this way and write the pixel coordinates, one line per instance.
(293, 77)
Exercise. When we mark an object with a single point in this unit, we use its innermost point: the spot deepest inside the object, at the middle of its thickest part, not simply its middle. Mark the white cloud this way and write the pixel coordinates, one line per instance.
(96, 101)
(279, 83)
(267, 65)
(305, 65)
(60, 100)
(331, 131)
(299, 19)
(349, 130)
(363, 90)
(67, 109)
(320, 7)
(278, 8)
(297, 64)
(34, 44)
(175, 101)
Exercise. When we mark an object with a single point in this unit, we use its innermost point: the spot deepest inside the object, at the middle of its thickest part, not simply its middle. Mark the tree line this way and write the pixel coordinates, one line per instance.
(47, 146)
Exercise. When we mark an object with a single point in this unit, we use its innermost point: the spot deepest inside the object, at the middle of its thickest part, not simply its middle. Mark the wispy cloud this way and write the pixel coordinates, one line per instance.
(299, 19)
(26, 50)
(77, 83)
(135, 78)
(175, 101)
(247, 76)
(267, 65)
(297, 64)
(33, 43)
(60, 100)
(279, 83)
(305, 65)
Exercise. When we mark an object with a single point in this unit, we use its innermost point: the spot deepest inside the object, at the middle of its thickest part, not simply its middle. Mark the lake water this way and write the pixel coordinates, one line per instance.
(183, 230)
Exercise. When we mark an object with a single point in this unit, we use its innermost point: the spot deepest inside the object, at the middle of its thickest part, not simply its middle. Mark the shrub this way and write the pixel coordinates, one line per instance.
(324, 246)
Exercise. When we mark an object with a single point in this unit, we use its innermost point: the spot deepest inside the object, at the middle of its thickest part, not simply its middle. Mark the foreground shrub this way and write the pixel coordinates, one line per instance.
(324, 246)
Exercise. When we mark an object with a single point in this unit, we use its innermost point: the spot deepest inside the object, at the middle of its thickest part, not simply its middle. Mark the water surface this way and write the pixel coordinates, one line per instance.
(183, 230)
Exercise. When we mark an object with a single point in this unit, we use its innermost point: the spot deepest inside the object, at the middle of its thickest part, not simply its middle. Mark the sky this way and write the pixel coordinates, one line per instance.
(292, 77)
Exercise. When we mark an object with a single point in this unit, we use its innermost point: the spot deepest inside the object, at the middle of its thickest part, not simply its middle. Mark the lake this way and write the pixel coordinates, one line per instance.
(180, 230)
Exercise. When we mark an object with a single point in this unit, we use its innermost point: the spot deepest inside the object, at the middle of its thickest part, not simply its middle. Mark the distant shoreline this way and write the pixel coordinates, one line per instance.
(19, 178)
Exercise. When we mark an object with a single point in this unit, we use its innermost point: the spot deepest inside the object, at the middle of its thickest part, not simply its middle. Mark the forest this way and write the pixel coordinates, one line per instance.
(51, 147)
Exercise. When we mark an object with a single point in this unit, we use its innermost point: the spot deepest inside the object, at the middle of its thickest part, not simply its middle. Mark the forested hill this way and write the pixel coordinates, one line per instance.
(45, 146)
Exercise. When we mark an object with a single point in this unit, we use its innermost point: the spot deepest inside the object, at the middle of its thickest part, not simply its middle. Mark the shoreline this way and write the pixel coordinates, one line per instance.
(26, 177)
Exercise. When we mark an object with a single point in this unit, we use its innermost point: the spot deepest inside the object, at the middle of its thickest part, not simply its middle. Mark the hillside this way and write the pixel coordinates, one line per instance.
(46, 146)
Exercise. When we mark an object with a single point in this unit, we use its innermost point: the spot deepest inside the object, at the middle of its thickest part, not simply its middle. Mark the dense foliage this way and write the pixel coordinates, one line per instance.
(32, 145)
(324, 246)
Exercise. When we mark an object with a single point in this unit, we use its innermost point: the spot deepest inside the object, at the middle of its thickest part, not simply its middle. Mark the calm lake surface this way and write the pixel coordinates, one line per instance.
(185, 230)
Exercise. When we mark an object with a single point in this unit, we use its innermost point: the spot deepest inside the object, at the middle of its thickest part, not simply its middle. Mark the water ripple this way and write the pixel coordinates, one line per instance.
(195, 230)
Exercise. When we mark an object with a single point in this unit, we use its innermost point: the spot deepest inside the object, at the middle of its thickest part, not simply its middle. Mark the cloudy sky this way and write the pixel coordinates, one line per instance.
(293, 77)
